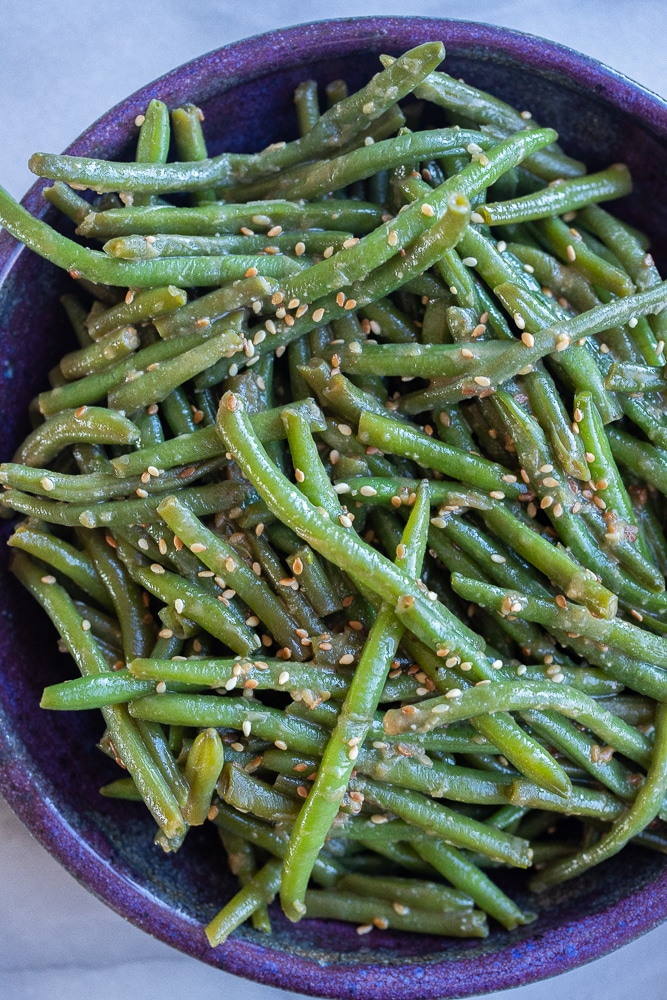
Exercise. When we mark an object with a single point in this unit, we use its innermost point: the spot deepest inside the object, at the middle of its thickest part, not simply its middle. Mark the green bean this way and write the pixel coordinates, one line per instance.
(318, 812)
(457, 829)
(65, 558)
(566, 617)
(557, 199)
(200, 499)
(210, 710)
(642, 812)
(334, 129)
(569, 245)
(430, 896)
(96, 691)
(153, 142)
(330, 539)
(67, 201)
(639, 457)
(313, 180)
(221, 559)
(515, 696)
(466, 876)
(140, 306)
(339, 215)
(347, 266)
(111, 348)
(250, 794)
(81, 262)
(202, 769)
(92, 424)
(155, 384)
(192, 600)
(127, 743)
(261, 889)
(186, 124)
(367, 912)
(94, 388)
(408, 441)
(136, 626)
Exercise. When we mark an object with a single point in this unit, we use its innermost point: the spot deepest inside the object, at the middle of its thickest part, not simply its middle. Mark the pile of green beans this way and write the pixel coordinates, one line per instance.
(349, 501)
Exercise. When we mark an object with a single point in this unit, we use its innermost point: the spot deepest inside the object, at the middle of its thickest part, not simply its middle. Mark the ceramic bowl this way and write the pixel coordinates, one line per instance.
(50, 769)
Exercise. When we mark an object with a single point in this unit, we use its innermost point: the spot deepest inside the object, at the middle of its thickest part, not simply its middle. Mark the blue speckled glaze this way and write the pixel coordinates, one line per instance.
(49, 768)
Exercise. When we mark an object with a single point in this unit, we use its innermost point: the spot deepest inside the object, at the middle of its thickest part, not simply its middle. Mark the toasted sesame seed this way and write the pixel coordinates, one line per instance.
(299, 475)
(317, 315)
(156, 568)
(274, 231)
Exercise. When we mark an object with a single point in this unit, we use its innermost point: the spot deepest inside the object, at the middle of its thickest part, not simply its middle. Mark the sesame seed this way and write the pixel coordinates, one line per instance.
(198, 547)
(283, 677)
(570, 252)
(364, 929)
(297, 566)
(346, 658)
(48, 579)
(280, 744)
(345, 520)
(476, 218)
(527, 338)
(427, 210)
(85, 625)
(160, 687)
(274, 231)
(482, 380)
(156, 568)
(317, 315)
(497, 558)
(299, 475)
(353, 752)
(454, 693)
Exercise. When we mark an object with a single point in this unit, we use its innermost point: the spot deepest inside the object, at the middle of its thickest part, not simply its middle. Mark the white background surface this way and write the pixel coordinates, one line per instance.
(63, 63)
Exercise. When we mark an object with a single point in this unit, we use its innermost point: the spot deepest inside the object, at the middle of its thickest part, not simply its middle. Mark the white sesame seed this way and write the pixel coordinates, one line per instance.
(47, 484)
(427, 210)
(454, 693)
(482, 380)
(156, 568)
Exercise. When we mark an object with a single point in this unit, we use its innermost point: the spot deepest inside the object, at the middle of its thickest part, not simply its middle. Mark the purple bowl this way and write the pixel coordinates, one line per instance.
(50, 770)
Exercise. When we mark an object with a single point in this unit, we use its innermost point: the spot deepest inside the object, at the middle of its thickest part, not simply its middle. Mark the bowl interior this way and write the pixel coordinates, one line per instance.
(50, 769)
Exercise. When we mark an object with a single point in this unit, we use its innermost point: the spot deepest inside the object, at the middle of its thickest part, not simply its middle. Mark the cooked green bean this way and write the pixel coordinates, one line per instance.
(443, 685)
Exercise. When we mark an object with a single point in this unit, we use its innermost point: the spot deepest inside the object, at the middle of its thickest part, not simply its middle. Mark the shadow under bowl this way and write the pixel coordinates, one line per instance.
(50, 769)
